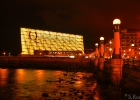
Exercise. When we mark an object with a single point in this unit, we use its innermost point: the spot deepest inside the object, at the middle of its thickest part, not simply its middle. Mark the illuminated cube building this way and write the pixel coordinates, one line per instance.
(41, 42)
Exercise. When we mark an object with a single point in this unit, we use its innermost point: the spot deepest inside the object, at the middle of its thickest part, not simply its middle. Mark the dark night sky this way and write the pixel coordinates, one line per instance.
(90, 18)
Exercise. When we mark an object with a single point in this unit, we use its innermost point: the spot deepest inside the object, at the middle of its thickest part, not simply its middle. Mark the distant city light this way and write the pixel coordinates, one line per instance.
(132, 44)
(110, 49)
(72, 56)
(4, 53)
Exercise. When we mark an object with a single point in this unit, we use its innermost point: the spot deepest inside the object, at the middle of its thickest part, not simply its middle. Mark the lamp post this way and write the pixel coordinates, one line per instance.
(110, 42)
(110, 49)
(102, 47)
(4, 54)
(96, 50)
(132, 53)
(101, 59)
(40, 53)
(116, 24)
(96, 58)
(116, 64)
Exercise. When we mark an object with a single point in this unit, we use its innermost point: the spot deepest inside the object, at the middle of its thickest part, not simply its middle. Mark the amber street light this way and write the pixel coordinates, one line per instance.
(110, 42)
(96, 44)
(101, 47)
(132, 51)
(101, 38)
(4, 53)
(116, 21)
(96, 50)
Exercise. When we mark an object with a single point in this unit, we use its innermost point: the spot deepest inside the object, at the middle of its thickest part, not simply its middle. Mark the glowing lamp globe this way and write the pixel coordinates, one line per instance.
(101, 38)
(96, 44)
(116, 21)
(132, 45)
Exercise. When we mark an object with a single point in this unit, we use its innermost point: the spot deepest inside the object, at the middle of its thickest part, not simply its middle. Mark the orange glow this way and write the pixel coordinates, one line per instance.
(110, 49)
(132, 45)
(96, 96)
(57, 73)
(20, 73)
(3, 78)
(129, 49)
(116, 21)
(78, 83)
(39, 74)
(80, 54)
(117, 42)
(110, 42)
(96, 62)
(79, 74)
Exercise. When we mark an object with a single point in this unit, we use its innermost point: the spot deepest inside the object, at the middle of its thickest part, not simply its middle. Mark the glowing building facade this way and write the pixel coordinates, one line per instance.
(34, 41)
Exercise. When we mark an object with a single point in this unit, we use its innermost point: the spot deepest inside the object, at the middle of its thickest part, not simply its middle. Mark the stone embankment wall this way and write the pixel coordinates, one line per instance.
(45, 62)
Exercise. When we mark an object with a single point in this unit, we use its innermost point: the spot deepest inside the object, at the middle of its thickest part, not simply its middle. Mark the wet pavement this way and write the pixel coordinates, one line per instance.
(35, 84)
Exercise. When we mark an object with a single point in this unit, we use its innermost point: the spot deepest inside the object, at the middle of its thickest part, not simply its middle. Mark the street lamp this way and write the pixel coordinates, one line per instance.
(96, 44)
(110, 49)
(116, 24)
(102, 47)
(101, 38)
(110, 42)
(132, 50)
(96, 50)
(133, 54)
(4, 53)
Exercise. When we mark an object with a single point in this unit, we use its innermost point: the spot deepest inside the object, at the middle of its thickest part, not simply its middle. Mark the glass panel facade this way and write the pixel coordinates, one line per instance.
(34, 39)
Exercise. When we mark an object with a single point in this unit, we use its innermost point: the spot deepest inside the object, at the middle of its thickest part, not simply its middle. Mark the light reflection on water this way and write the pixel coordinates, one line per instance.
(20, 75)
(3, 76)
(39, 75)
(32, 83)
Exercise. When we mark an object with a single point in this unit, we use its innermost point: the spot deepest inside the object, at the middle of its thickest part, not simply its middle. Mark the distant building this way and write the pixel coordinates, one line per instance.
(127, 38)
(41, 42)
(109, 47)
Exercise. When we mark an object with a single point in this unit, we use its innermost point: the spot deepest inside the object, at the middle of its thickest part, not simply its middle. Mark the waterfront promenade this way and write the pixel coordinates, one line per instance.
(46, 62)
